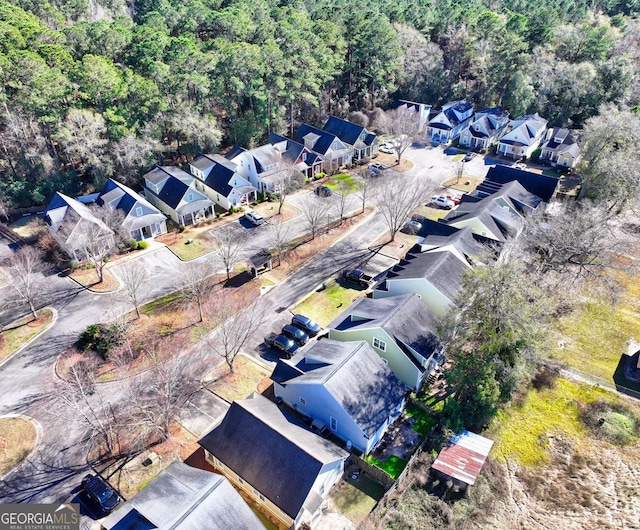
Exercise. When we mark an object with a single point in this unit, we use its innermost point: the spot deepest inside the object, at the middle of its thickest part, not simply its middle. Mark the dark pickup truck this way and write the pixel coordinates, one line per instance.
(358, 277)
(286, 345)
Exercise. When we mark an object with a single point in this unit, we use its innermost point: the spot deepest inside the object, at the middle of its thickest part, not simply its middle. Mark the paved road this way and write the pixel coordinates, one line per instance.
(55, 469)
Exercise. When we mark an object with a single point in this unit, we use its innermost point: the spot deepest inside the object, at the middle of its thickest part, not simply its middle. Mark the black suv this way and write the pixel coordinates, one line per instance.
(323, 191)
(296, 334)
(307, 325)
(100, 492)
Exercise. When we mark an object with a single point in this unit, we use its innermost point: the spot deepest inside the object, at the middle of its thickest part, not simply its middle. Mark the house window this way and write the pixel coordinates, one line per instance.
(302, 401)
(138, 211)
(380, 344)
(335, 146)
(385, 361)
(333, 423)
(304, 157)
(258, 494)
(189, 197)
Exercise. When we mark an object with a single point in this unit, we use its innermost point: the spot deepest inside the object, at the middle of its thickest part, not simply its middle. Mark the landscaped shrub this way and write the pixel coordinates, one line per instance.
(142, 245)
(133, 244)
(610, 421)
(181, 228)
(101, 338)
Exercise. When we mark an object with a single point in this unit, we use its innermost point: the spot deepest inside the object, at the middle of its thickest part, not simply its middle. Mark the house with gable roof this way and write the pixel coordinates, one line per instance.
(174, 192)
(523, 136)
(76, 226)
(345, 386)
(560, 148)
(142, 220)
(297, 155)
(219, 180)
(184, 497)
(447, 125)
(363, 143)
(485, 128)
(274, 460)
(542, 186)
(335, 152)
(422, 110)
(400, 329)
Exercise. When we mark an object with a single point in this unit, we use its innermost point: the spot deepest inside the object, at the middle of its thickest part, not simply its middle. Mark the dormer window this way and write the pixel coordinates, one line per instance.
(334, 146)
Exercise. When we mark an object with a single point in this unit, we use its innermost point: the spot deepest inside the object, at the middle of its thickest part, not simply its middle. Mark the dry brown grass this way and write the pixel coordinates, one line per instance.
(18, 333)
(89, 278)
(246, 378)
(17, 439)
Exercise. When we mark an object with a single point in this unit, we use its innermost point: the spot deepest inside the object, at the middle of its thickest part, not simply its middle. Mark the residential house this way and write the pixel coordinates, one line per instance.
(495, 211)
(187, 498)
(485, 129)
(335, 152)
(219, 180)
(560, 148)
(435, 236)
(540, 185)
(422, 110)
(447, 125)
(142, 220)
(345, 386)
(523, 136)
(297, 155)
(400, 329)
(77, 228)
(435, 276)
(362, 142)
(174, 192)
(274, 461)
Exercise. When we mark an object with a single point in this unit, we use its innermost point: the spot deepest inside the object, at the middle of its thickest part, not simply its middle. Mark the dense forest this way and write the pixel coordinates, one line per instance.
(100, 88)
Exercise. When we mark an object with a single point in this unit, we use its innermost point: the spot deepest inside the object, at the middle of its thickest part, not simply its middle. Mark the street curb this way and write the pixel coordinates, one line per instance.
(49, 326)
(36, 443)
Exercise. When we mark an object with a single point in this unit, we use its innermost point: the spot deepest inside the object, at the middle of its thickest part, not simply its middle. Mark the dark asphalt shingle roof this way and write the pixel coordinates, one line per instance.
(348, 132)
(186, 498)
(355, 376)
(462, 239)
(277, 457)
(218, 172)
(540, 185)
(324, 138)
(405, 318)
(442, 269)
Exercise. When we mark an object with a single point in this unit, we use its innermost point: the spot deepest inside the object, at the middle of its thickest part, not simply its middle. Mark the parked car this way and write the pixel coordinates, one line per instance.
(411, 227)
(376, 168)
(254, 217)
(453, 199)
(284, 344)
(468, 157)
(387, 148)
(441, 202)
(419, 218)
(306, 324)
(295, 334)
(358, 277)
(521, 165)
(323, 191)
(97, 489)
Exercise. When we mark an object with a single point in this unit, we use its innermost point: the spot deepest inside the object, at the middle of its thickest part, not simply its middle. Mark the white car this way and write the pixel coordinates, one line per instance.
(387, 148)
(442, 202)
(254, 217)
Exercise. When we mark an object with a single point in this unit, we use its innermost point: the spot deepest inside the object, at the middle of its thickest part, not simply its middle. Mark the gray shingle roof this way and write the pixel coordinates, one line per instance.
(348, 132)
(279, 458)
(123, 198)
(462, 239)
(354, 375)
(442, 269)
(540, 185)
(186, 498)
(404, 317)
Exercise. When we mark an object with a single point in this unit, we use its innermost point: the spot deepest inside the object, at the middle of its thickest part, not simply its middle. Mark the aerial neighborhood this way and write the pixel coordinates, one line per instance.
(263, 269)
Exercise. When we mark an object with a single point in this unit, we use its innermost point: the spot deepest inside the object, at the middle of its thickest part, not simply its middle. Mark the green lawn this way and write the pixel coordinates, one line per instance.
(350, 183)
(521, 432)
(595, 335)
(200, 245)
(431, 213)
(325, 305)
(355, 498)
(424, 421)
(393, 465)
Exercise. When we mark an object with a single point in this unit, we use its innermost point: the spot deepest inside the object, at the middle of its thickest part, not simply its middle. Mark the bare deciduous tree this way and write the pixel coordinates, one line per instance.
(83, 135)
(402, 125)
(237, 317)
(291, 181)
(134, 277)
(229, 249)
(342, 190)
(363, 187)
(279, 238)
(398, 197)
(132, 153)
(24, 268)
(315, 212)
(195, 284)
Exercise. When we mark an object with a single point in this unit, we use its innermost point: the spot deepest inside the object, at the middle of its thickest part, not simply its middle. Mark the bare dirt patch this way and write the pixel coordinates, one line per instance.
(17, 439)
